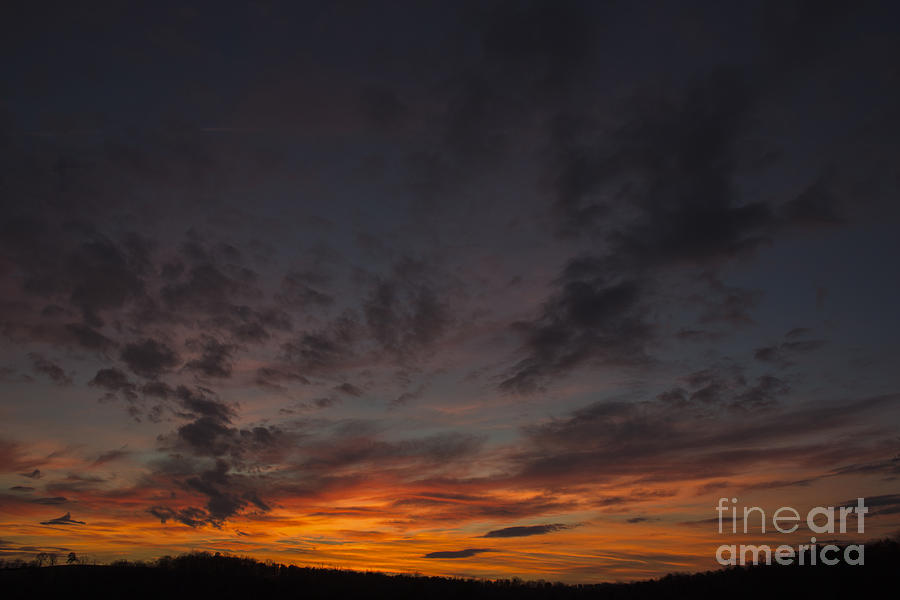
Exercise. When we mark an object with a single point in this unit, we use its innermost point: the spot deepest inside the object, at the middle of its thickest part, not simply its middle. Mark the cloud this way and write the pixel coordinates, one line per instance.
(209, 288)
(404, 313)
(725, 386)
(785, 353)
(149, 358)
(672, 165)
(215, 360)
(114, 381)
(207, 436)
(227, 493)
(111, 456)
(687, 208)
(382, 107)
(454, 507)
(798, 332)
(325, 402)
(525, 531)
(272, 378)
(349, 389)
(53, 500)
(91, 271)
(652, 441)
(229, 486)
(589, 319)
(886, 504)
(54, 372)
(200, 402)
(763, 394)
(468, 552)
(323, 350)
(89, 338)
(9, 375)
(725, 304)
(303, 290)
(889, 466)
(817, 206)
(310, 464)
(66, 519)
(217, 486)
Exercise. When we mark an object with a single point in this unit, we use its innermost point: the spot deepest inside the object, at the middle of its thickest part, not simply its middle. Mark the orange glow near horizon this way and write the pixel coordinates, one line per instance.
(393, 526)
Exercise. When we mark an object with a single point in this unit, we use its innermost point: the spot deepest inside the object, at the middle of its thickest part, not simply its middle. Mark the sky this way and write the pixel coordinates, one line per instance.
(482, 289)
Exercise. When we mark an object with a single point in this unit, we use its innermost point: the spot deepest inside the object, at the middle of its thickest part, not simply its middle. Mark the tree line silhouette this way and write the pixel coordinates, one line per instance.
(205, 575)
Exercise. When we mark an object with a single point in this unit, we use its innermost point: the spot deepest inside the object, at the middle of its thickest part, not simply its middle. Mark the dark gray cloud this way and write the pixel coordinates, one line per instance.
(51, 370)
(588, 319)
(673, 161)
(889, 467)
(533, 50)
(209, 288)
(303, 289)
(382, 107)
(763, 394)
(326, 349)
(885, 504)
(192, 517)
(725, 386)
(405, 313)
(526, 530)
(355, 444)
(817, 206)
(455, 507)
(349, 389)
(66, 519)
(149, 358)
(468, 552)
(725, 304)
(219, 487)
(201, 402)
(798, 332)
(50, 500)
(215, 359)
(274, 378)
(651, 441)
(226, 495)
(786, 353)
(207, 436)
(76, 263)
(114, 380)
(10, 375)
(89, 338)
(111, 456)
(230, 486)
(249, 325)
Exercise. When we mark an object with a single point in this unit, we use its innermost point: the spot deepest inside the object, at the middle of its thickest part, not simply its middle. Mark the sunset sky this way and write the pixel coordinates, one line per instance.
(484, 289)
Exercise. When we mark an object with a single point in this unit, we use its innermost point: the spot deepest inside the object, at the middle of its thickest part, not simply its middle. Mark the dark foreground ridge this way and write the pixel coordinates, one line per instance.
(201, 576)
